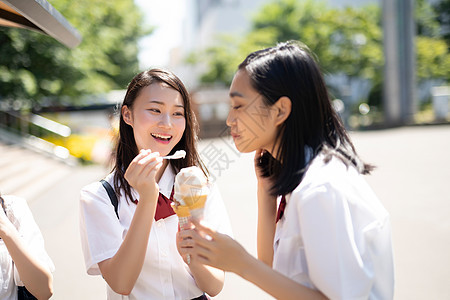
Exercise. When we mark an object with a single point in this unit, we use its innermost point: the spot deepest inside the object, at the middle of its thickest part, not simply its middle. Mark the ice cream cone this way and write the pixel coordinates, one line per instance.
(191, 190)
(197, 207)
(184, 216)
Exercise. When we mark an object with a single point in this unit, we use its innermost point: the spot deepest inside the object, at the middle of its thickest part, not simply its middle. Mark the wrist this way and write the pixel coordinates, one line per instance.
(265, 198)
(147, 202)
(244, 265)
(149, 194)
(262, 190)
(7, 232)
(195, 267)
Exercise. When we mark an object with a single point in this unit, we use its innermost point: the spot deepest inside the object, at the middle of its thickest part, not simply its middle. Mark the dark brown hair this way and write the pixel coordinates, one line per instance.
(2, 201)
(289, 69)
(126, 148)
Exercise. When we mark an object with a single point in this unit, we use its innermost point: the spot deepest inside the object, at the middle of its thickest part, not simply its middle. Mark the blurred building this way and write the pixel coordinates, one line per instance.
(204, 21)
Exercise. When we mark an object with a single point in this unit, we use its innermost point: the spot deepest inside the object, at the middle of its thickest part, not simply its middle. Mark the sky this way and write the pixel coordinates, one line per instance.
(167, 16)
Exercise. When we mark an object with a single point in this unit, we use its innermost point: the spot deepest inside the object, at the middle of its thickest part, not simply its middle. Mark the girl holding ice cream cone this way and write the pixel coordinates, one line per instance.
(322, 232)
(135, 248)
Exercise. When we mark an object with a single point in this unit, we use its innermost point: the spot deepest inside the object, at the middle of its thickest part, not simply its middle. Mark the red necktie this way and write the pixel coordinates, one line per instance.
(281, 208)
(163, 208)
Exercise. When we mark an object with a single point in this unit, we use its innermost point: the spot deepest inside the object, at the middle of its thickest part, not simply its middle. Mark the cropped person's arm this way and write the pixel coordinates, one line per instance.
(36, 277)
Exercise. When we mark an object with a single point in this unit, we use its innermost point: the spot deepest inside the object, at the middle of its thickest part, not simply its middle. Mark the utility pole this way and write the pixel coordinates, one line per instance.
(399, 70)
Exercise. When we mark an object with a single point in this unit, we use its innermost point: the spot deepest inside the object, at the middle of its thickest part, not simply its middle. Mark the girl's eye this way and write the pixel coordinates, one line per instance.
(179, 114)
(154, 110)
(236, 107)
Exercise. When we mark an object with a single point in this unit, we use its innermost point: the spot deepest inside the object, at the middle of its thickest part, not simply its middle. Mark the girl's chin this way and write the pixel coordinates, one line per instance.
(244, 149)
(163, 151)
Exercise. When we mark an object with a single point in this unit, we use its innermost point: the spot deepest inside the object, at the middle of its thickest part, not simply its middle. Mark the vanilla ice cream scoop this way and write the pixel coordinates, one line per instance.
(190, 186)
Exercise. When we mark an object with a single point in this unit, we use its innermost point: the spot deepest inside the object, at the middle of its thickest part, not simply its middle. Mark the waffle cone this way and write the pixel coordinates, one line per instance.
(195, 202)
(181, 210)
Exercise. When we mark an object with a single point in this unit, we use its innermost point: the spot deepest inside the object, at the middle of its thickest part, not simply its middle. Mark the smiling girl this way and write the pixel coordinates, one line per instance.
(135, 251)
(330, 236)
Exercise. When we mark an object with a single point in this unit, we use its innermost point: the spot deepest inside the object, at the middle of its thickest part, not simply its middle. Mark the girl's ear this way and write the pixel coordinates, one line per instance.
(283, 106)
(127, 116)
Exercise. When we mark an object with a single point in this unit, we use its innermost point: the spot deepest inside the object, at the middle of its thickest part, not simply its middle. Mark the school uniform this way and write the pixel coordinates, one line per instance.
(18, 212)
(164, 274)
(335, 235)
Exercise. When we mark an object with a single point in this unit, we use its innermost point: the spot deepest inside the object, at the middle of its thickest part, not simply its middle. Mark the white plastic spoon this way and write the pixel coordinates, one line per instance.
(178, 154)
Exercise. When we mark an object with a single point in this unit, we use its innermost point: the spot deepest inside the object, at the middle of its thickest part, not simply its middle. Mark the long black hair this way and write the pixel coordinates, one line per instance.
(126, 148)
(290, 69)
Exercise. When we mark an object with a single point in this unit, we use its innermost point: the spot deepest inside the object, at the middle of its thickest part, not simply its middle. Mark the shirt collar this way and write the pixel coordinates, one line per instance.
(166, 182)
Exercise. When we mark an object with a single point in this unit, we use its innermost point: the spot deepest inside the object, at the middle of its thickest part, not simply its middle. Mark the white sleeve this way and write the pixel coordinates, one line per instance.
(31, 235)
(100, 230)
(334, 262)
(216, 216)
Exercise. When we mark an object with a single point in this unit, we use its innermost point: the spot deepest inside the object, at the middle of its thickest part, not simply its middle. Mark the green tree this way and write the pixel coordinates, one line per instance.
(442, 10)
(346, 41)
(37, 68)
(432, 43)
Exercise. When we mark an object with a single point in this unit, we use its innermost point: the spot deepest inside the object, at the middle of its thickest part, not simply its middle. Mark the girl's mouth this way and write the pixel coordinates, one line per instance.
(234, 135)
(162, 138)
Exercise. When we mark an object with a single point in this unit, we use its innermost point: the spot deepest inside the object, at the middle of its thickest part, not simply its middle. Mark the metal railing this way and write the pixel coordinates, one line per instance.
(29, 130)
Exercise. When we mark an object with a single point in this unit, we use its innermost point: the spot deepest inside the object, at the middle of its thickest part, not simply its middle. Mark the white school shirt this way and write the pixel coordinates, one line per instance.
(164, 274)
(335, 235)
(19, 214)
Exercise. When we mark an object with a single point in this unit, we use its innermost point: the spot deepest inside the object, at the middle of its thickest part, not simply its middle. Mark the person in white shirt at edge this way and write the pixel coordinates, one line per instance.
(23, 259)
(334, 238)
(136, 252)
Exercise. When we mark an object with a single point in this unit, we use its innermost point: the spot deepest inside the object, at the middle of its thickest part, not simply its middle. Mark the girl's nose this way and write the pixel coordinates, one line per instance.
(231, 120)
(165, 121)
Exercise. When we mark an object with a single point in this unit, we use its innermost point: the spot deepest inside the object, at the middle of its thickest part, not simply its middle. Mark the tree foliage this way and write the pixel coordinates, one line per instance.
(37, 68)
(346, 40)
(432, 45)
(442, 10)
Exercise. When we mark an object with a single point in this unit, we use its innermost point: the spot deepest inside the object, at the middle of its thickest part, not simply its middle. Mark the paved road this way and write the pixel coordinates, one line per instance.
(412, 180)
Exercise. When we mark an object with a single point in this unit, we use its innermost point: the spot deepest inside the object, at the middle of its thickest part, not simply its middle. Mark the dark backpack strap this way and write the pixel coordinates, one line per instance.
(24, 294)
(112, 196)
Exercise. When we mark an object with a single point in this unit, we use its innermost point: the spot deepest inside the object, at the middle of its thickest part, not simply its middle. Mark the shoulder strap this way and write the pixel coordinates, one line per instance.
(24, 294)
(112, 196)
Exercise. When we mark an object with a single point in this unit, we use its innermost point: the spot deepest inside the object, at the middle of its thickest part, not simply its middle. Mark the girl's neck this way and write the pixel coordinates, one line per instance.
(161, 170)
